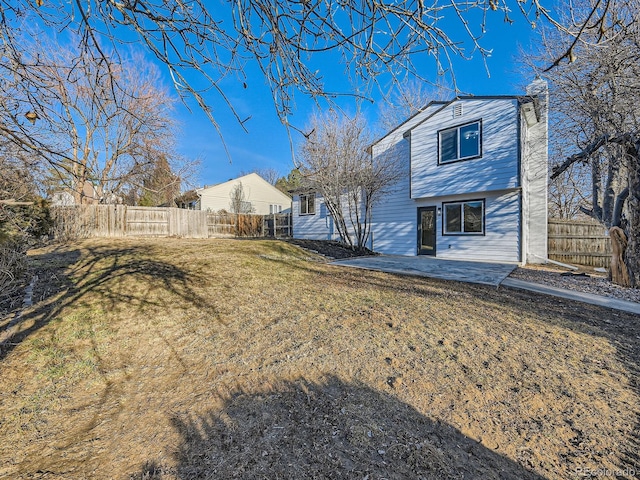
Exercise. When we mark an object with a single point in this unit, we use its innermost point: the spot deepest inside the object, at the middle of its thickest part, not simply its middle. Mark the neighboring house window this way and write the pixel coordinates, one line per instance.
(462, 218)
(460, 143)
(275, 208)
(308, 204)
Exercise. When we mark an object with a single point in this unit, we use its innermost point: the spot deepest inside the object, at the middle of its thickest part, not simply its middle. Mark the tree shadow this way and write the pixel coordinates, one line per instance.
(100, 272)
(620, 329)
(326, 429)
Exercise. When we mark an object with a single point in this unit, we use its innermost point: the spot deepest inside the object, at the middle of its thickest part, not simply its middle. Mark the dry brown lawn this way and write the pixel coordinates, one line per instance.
(181, 359)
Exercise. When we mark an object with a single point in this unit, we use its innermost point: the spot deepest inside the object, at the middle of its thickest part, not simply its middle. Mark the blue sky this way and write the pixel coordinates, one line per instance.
(267, 143)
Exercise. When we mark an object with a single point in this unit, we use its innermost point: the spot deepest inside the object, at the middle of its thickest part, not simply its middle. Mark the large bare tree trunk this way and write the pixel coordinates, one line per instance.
(619, 271)
(632, 254)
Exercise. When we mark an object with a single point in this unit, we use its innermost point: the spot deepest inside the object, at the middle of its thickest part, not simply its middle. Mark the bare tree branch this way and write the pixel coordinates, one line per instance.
(98, 122)
(335, 162)
(586, 153)
(374, 39)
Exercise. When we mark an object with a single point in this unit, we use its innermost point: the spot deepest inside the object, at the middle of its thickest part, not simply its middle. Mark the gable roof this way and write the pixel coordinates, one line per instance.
(424, 111)
(462, 99)
(436, 106)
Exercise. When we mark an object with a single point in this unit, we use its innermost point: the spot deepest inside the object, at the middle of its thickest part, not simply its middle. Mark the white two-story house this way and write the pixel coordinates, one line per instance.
(474, 188)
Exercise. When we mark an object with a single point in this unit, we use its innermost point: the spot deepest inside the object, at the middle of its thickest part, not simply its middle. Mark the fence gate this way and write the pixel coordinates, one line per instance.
(278, 225)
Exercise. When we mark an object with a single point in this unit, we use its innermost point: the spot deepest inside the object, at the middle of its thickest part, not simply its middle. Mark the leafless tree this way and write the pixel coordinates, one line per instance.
(569, 193)
(595, 100)
(335, 161)
(160, 185)
(377, 41)
(93, 122)
(407, 99)
(239, 202)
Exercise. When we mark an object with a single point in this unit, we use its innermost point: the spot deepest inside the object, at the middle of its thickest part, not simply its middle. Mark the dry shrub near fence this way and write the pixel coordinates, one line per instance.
(579, 242)
(249, 226)
(13, 267)
(73, 222)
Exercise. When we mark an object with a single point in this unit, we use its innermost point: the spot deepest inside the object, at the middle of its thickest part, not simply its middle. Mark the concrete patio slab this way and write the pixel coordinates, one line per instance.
(462, 271)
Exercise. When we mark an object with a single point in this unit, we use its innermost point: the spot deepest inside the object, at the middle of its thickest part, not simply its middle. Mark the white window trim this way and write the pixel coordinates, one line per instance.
(306, 197)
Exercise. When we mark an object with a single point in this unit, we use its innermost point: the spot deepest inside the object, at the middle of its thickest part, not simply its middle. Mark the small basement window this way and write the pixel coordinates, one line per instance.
(308, 204)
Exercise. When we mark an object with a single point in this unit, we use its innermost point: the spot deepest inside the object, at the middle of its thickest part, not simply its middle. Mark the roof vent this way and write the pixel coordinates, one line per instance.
(457, 110)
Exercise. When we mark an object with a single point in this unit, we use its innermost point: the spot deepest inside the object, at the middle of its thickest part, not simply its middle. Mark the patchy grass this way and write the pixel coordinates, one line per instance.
(180, 359)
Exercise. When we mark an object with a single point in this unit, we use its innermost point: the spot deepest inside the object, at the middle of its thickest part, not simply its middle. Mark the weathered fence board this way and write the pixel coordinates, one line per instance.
(579, 242)
(121, 220)
(145, 222)
(187, 223)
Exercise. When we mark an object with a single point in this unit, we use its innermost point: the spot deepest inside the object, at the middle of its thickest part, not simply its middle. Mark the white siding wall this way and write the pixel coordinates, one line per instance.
(497, 169)
(534, 178)
(501, 241)
(394, 222)
(313, 227)
(396, 228)
(395, 218)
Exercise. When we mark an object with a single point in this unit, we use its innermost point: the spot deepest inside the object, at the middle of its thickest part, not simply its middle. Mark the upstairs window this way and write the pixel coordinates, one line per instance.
(308, 204)
(273, 209)
(464, 218)
(460, 143)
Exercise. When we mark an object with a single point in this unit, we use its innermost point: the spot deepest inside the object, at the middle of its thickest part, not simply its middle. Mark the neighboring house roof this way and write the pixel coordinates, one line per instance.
(260, 193)
(186, 197)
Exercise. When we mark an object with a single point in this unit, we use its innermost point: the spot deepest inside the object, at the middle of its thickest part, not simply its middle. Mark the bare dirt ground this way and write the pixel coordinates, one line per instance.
(331, 250)
(184, 359)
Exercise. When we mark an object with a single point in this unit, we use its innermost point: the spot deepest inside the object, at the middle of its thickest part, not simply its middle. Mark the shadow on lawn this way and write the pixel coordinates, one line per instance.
(330, 429)
(620, 329)
(105, 274)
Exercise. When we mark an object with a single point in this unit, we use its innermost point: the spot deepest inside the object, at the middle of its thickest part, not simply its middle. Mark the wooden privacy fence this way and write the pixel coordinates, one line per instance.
(81, 221)
(579, 242)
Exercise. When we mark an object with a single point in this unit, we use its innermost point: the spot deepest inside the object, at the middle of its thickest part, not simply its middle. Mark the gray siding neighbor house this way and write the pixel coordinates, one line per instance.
(475, 183)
